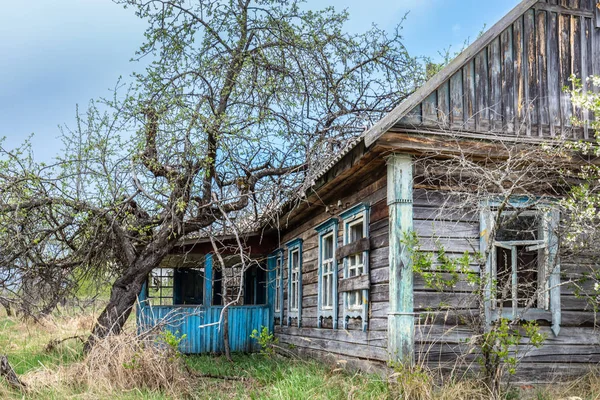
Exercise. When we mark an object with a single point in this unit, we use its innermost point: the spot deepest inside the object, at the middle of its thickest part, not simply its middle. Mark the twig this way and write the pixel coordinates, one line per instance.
(9, 374)
(55, 342)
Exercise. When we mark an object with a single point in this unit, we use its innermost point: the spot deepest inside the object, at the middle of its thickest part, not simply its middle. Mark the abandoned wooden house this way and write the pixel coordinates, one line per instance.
(338, 279)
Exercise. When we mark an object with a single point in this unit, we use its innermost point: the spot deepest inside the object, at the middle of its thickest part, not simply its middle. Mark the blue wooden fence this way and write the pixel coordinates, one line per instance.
(200, 324)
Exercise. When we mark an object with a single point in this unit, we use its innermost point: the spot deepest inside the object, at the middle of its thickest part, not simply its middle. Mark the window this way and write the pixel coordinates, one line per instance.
(327, 298)
(518, 256)
(523, 267)
(294, 278)
(255, 286)
(355, 262)
(355, 252)
(278, 279)
(160, 287)
(327, 257)
(275, 267)
(175, 286)
(295, 281)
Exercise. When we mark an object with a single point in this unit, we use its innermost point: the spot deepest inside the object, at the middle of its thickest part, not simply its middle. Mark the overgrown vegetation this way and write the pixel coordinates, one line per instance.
(123, 367)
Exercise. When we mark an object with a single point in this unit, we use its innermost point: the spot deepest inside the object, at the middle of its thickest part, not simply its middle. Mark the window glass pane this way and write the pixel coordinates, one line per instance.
(515, 226)
(328, 247)
(356, 231)
(295, 259)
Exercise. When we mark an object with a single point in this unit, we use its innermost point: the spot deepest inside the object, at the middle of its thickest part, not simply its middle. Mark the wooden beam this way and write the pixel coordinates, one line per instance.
(424, 91)
(401, 321)
(353, 248)
(361, 282)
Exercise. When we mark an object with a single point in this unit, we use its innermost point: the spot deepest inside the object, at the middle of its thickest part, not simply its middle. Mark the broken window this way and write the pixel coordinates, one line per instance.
(522, 265)
(518, 256)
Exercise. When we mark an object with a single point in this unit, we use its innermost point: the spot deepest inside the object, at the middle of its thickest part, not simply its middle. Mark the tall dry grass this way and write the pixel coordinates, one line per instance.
(118, 364)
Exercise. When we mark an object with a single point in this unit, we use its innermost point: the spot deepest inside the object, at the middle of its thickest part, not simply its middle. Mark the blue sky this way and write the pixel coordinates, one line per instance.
(56, 54)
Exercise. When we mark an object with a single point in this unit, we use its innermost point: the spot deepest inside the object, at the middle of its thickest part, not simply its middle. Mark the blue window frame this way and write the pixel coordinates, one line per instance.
(522, 272)
(294, 253)
(275, 263)
(327, 296)
(356, 227)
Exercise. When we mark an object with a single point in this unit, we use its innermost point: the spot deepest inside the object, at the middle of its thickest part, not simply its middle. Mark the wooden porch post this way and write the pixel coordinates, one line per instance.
(401, 323)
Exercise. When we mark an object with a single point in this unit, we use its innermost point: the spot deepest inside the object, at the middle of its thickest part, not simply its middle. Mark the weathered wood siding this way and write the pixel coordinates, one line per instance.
(443, 331)
(515, 84)
(353, 344)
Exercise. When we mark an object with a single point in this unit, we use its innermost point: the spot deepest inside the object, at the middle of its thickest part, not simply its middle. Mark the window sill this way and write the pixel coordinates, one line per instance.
(533, 314)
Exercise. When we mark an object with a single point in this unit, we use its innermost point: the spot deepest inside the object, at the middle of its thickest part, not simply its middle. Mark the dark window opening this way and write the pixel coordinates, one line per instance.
(189, 286)
(519, 247)
(217, 285)
(255, 286)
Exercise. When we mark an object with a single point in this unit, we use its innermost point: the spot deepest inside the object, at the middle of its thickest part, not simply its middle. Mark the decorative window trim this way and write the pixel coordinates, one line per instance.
(277, 282)
(551, 310)
(327, 228)
(350, 216)
(293, 246)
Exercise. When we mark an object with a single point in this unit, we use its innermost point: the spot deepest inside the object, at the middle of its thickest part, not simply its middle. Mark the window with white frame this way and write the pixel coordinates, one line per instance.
(294, 252)
(355, 252)
(523, 265)
(327, 294)
(355, 262)
(294, 278)
(327, 263)
(278, 277)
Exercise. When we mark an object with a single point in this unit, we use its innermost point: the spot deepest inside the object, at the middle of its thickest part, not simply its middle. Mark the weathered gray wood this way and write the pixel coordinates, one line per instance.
(541, 47)
(554, 83)
(469, 95)
(451, 69)
(360, 282)
(353, 248)
(531, 78)
(562, 9)
(430, 113)
(564, 59)
(495, 79)
(481, 91)
(521, 125)
(400, 317)
(456, 100)
(508, 80)
(443, 96)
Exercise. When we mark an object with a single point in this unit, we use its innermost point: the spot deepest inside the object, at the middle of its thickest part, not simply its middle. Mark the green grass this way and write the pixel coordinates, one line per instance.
(263, 377)
(278, 378)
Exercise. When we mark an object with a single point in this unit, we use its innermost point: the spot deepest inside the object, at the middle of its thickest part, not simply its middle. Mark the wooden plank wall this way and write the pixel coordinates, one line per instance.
(352, 345)
(514, 85)
(443, 331)
(442, 318)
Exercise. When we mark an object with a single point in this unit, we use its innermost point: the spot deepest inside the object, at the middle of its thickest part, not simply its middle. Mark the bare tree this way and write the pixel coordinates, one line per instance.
(240, 101)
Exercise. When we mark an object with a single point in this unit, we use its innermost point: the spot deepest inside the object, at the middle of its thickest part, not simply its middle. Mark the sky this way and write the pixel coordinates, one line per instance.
(55, 54)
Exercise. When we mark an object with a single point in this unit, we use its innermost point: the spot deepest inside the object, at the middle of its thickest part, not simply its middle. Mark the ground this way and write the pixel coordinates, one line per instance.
(60, 373)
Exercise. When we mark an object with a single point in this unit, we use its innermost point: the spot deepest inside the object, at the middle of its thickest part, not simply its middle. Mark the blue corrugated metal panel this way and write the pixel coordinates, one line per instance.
(201, 336)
